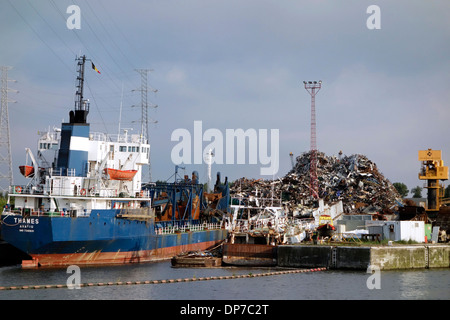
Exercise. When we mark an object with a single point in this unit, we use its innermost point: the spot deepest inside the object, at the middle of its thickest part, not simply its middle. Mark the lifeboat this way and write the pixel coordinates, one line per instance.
(27, 171)
(124, 175)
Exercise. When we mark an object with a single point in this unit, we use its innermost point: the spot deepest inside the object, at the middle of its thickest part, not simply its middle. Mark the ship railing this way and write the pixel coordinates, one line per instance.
(25, 212)
(60, 172)
(124, 138)
(244, 225)
(97, 136)
(25, 189)
(64, 213)
(180, 228)
(90, 192)
(17, 189)
(73, 213)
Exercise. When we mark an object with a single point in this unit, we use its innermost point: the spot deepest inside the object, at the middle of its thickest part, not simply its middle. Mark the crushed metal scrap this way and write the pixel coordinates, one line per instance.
(354, 180)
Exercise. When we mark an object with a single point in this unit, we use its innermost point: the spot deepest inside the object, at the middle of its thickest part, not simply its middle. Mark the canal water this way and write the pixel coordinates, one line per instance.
(423, 284)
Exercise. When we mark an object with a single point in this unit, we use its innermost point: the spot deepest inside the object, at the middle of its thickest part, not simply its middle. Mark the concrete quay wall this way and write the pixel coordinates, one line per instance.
(350, 257)
(304, 256)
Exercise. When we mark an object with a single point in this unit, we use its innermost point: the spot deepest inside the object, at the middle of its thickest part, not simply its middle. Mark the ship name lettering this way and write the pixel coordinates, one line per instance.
(26, 220)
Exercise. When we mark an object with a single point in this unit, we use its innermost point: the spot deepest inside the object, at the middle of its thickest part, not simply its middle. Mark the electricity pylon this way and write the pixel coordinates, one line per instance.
(6, 173)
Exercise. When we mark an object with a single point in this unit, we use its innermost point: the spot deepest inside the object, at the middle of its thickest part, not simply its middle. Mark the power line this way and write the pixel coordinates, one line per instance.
(107, 33)
(104, 66)
(100, 41)
(51, 28)
(106, 71)
(119, 30)
(39, 36)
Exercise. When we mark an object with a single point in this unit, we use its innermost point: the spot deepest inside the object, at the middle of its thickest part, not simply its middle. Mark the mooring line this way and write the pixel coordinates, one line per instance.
(119, 283)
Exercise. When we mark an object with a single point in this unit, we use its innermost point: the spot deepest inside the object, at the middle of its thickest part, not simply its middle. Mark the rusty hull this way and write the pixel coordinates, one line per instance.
(243, 254)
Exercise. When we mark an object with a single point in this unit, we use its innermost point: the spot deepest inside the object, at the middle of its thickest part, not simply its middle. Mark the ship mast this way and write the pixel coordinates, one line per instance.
(72, 154)
(81, 105)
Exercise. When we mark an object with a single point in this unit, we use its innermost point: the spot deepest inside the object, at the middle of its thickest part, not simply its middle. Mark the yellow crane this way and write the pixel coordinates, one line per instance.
(433, 170)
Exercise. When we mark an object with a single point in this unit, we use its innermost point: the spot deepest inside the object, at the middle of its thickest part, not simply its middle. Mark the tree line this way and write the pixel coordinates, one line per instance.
(416, 192)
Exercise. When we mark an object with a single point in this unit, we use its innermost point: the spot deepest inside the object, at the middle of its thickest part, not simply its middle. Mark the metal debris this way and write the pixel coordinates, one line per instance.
(355, 180)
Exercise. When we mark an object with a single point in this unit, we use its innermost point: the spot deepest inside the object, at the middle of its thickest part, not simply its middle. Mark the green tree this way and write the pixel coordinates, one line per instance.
(402, 189)
(3, 201)
(417, 192)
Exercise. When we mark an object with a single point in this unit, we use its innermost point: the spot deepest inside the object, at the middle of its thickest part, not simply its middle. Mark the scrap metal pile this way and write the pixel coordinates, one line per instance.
(355, 180)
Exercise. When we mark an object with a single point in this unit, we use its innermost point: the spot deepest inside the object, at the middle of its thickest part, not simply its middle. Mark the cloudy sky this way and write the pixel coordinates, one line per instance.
(239, 64)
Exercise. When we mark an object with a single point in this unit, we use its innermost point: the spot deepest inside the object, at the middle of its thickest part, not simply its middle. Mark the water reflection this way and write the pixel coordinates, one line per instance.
(413, 284)
(331, 284)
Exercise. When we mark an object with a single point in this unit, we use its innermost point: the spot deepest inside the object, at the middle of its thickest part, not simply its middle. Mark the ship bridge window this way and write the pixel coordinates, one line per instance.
(132, 149)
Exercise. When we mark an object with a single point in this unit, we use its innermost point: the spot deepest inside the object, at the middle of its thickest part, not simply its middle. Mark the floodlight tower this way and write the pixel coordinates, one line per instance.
(313, 88)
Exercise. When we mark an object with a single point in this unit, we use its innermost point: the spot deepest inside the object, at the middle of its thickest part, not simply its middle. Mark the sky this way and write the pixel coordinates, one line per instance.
(238, 65)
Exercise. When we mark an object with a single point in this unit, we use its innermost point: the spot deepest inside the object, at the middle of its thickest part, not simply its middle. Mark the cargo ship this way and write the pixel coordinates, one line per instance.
(89, 206)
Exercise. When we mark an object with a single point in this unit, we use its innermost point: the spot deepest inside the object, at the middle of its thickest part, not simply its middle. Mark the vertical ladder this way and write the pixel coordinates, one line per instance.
(333, 263)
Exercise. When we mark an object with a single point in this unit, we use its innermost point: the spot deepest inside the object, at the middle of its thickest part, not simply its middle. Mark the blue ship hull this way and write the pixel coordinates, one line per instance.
(101, 238)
